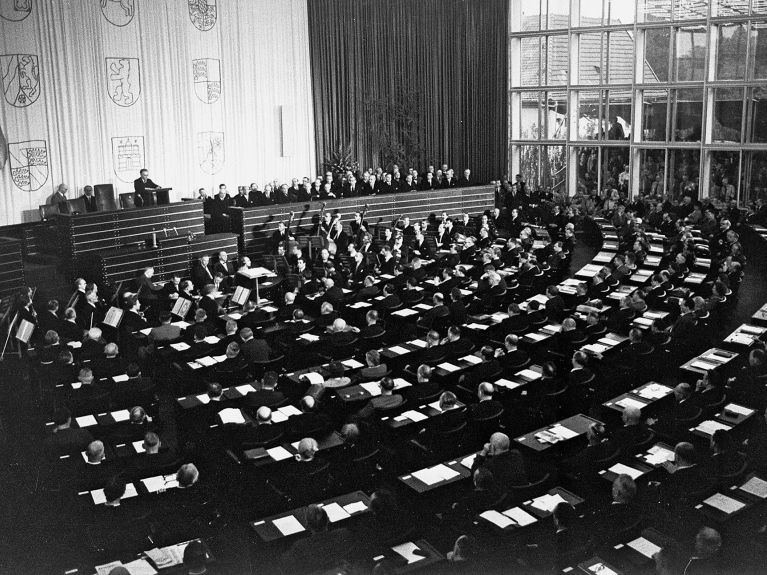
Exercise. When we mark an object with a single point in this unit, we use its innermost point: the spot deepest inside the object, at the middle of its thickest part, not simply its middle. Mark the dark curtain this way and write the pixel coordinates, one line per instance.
(413, 82)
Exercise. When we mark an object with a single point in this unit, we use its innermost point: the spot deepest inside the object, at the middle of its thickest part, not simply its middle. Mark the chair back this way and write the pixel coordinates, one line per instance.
(127, 201)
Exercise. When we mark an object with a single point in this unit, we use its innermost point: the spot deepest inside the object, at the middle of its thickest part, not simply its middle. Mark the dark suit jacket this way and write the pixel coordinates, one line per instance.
(140, 186)
(484, 409)
(320, 551)
(255, 350)
(201, 275)
(90, 203)
(67, 441)
(267, 397)
(508, 468)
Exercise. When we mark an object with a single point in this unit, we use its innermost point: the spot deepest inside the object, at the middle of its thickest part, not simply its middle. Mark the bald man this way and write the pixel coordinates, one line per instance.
(506, 465)
(486, 407)
(706, 558)
(633, 431)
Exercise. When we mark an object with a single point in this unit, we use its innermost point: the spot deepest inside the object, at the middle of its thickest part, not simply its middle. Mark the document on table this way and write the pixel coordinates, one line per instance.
(181, 324)
(507, 384)
(436, 474)
(621, 469)
(335, 512)
(422, 306)
(479, 326)
(356, 507)
(596, 348)
(231, 415)
(497, 518)
(278, 417)
(121, 415)
(206, 361)
(468, 461)
(563, 432)
(449, 367)
(360, 304)
(352, 363)
(657, 455)
(279, 453)
(739, 409)
(145, 331)
(755, 486)
(313, 377)
(520, 516)
(418, 343)
(472, 359)
(399, 383)
(120, 378)
(627, 402)
(704, 365)
(309, 337)
(219, 358)
(154, 484)
(194, 365)
(709, 427)
(436, 406)
(536, 336)
(405, 312)
(288, 525)
(399, 350)
(140, 567)
(372, 388)
(180, 346)
(212, 339)
(106, 568)
(86, 421)
(245, 389)
(723, 503)
(290, 410)
(528, 374)
(643, 546)
(409, 552)
(548, 502)
(139, 446)
(415, 416)
(654, 391)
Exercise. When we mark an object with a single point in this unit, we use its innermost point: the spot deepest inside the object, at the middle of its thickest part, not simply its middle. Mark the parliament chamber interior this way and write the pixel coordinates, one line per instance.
(425, 286)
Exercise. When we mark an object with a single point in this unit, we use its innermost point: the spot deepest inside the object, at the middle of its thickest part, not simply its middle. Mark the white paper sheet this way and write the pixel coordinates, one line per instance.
(335, 512)
(621, 469)
(288, 525)
(520, 516)
(279, 453)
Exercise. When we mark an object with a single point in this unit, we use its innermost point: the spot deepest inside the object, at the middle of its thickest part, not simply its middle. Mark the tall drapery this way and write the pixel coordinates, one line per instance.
(201, 92)
(415, 81)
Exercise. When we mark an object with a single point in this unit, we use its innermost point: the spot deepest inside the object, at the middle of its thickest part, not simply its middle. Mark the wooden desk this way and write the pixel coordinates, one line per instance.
(709, 360)
(577, 424)
(536, 505)
(255, 225)
(268, 531)
(11, 266)
(426, 479)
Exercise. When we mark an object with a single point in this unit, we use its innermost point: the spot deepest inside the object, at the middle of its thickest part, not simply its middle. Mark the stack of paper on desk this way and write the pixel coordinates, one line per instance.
(548, 502)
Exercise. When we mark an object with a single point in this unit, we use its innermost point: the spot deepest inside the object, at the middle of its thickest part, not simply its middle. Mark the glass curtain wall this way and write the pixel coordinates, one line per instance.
(645, 97)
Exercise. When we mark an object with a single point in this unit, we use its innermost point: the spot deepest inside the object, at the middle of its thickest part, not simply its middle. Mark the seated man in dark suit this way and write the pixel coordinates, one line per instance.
(391, 300)
(97, 469)
(511, 357)
(424, 386)
(458, 310)
(454, 345)
(369, 289)
(479, 499)
(208, 302)
(675, 419)
(323, 549)
(384, 402)
(687, 477)
(490, 367)
(506, 465)
(622, 512)
(110, 364)
(64, 440)
(555, 305)
(374, 369)
(633, 431)
(267, 395)
(706, 559)
(310, 423)
(154, 459)
(487, 407)
(372, 328)
(253, 349)
(201, 272)
(438, 311)
(265, 433)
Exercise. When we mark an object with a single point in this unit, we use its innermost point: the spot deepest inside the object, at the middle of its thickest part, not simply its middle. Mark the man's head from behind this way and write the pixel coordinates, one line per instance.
(684, 454)
(187, 475)
(624, 489)
(316, 518)
(95, 452)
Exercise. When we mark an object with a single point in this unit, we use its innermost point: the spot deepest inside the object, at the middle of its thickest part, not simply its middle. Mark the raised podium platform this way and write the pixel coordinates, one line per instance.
(81, 236)
(256, 225)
